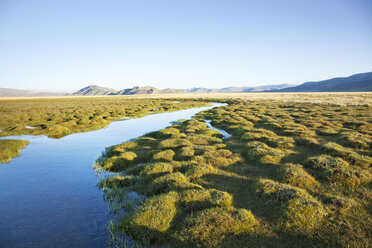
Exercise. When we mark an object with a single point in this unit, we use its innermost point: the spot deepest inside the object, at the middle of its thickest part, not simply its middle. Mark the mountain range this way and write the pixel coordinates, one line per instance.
(95, 90)
(354, 83)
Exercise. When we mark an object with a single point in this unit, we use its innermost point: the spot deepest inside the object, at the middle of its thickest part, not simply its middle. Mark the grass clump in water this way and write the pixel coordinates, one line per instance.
(117, 181)
(10, 149)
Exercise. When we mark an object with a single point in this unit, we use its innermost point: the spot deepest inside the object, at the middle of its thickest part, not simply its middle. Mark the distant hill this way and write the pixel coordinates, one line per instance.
(9, 92)
(94, 90)
(239, 89)
(356, 82)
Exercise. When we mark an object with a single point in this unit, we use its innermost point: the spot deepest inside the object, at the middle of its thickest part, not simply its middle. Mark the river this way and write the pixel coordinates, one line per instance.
(48, 194)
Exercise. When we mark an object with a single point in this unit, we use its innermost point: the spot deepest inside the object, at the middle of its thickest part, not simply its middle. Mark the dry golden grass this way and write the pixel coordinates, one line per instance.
(338, 98)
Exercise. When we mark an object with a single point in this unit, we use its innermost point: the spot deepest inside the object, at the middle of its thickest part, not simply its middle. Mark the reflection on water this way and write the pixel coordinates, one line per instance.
(49, 196)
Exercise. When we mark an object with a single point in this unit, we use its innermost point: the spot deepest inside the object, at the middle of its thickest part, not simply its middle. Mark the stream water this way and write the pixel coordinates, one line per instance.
(48, 194)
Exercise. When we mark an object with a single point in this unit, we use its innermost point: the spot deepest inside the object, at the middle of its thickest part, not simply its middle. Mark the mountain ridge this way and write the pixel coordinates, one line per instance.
(353, 83)
(146, 90)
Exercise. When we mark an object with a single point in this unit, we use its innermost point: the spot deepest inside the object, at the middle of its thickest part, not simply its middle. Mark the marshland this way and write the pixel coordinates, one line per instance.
(290, 172)
(185, 124)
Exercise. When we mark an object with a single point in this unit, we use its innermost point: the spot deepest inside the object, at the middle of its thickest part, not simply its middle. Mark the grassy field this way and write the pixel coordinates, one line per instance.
(293, 174)
(58, 117)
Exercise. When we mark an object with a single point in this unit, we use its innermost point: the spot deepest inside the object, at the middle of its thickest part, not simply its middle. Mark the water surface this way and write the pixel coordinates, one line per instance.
(48, 195)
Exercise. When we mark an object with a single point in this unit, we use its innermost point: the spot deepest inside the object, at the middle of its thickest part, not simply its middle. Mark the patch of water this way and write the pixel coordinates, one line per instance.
(225, 134)
(28, 127)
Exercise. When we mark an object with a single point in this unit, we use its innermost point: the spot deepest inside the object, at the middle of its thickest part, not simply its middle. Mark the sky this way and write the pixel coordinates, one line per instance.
(69, 44)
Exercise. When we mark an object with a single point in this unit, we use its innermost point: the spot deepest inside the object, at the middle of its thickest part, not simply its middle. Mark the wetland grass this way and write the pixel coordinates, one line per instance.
(291, 175)
(58, 117)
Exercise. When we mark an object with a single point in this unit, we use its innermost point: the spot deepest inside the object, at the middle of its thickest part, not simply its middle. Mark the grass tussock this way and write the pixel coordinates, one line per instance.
(10, 149)
(150, 223)
(209, 228)
(347, 154)
(295, 175)
(299, 210)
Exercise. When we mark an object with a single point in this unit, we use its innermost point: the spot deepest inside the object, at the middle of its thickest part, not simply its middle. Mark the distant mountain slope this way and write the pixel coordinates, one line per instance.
(13, 92)
(239, 89)
(356, 82)
(147, 90)
(9, 92)
(94, 90)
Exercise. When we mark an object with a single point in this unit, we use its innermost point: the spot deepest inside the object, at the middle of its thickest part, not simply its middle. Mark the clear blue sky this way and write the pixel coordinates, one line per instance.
(55, 44)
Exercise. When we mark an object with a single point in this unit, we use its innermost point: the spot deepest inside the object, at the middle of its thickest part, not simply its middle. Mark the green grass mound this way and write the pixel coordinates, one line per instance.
(170, 182)
(197, 171)
(295, 175)
(355, 139)
(268, 137)
(299, 211)
(170, 131)
(58, 131)
(221, 157)
(298, 130)
(119, 163)
(201, 139)
(121, 148)
(211, 133)
(150, 223)
(327, 131)
(338, 171)
(174, 143)
(262, 152)
(193, 126)
(117, 181)
(187, 152)
(166, 155)
(198, 199)
(10, 149)
(152, 170)
(210, 227)
(347, 154)
(306, 141)
(258, 135)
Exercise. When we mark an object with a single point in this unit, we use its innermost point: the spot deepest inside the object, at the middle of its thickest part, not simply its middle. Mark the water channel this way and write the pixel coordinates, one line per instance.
(48, 194)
